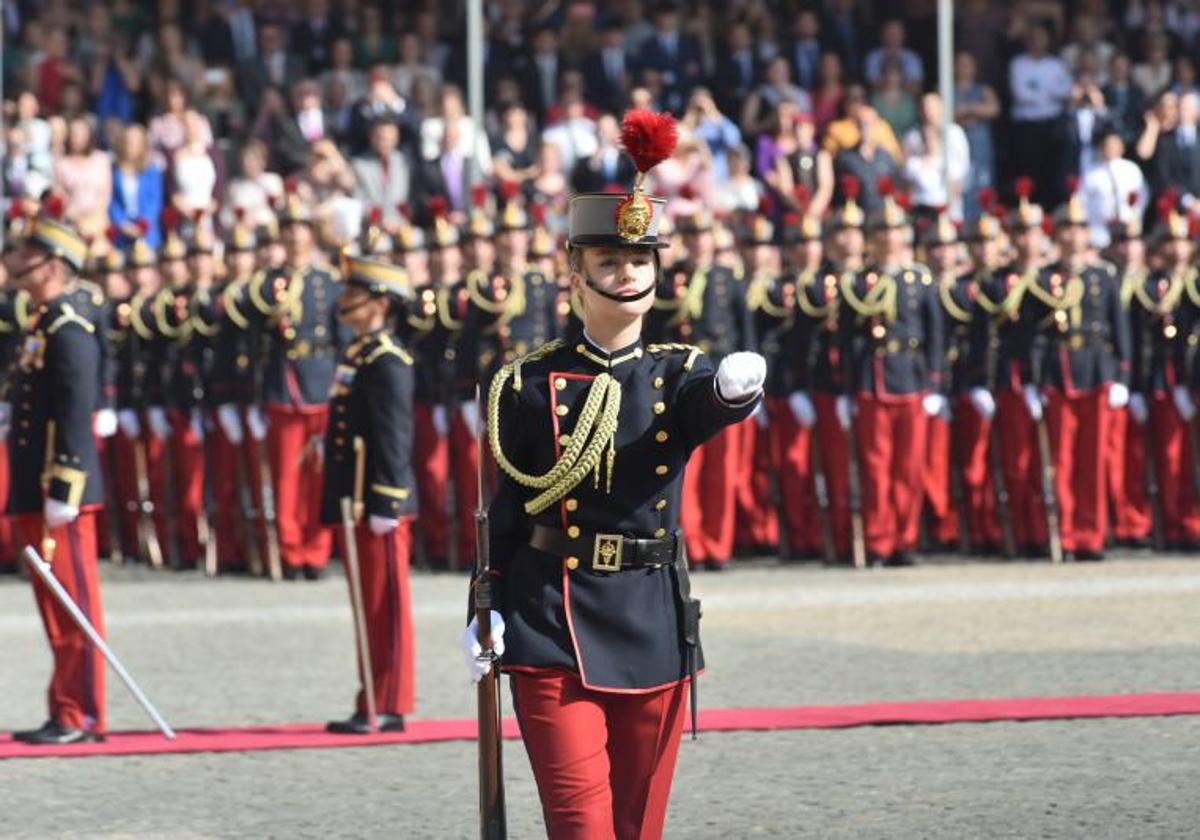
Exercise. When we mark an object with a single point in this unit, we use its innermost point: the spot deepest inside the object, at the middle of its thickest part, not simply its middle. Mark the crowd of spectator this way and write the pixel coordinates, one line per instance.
(125, 107)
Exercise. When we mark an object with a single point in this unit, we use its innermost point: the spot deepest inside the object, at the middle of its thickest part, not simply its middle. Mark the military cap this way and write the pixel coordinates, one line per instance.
(241, 236)
(1027, 215)
(891, 212)
(445, 234)
(850, 214)
(50, 233)
(408, 236)
(941, 231)
(1071, 213)
(294, 210)
(542, 243)
(376, 276)
(1128, 225)
(512, 214)
(173, 247)
(479, 221)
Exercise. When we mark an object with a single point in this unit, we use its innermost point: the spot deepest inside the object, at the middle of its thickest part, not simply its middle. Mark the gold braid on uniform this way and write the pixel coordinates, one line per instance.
(878, 302)
(946, 293)
(1130, 283)
(768, 306)
(474, 279)
(756, 292)
(1170, 299)
(804, 282)
(1007, 308)
(1070, 299)
(594, 432)
(443, 311)
(692, 350)
(1189, 283)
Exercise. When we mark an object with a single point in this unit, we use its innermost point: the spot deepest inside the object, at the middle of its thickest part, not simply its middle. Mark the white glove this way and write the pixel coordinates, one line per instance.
(477, 663)
(104, 423)
(381, 525)
(1138, 409)
(197, 423)
(760, 416)
(844, 407)
(802, 409)
(983, 402)
(741, 376)
(1033, 401)
(131, 427)
(470, 416)
(256, 423)
(230, 422)
(156, 418)
(1184, 402)
(441, 424)
(5, 419)
(59, 513)
(1118, 396)
(935, 404)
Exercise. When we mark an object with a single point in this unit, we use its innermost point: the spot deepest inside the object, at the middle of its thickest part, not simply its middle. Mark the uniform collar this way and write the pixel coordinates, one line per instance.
(595, 354)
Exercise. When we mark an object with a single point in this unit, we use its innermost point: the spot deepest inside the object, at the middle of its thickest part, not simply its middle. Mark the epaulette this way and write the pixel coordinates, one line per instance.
(474, 280)
(93, 291)
(532, 356)
(385, 347)
(69, 316)
(692, 350)
(1109, 267)
(255, 288)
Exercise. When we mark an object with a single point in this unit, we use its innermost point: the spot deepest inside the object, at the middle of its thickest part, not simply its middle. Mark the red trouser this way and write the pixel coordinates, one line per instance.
(387, 602)
(757, 520)
(792, 445)
(936, 478)
(1125, 454)
(1078, 427)
(187, 459)
(431, 463)
(76, 693)
(464, 457)
(972, 439)
(294, 439)
(603, 761)
(1174, 458)
(8, 546)
(891, 438)
(709, 507)
(228, 461)
(1022, 469)
(834, 445)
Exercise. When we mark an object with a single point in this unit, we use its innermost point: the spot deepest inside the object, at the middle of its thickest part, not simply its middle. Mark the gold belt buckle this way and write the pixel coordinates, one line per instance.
(607, 554)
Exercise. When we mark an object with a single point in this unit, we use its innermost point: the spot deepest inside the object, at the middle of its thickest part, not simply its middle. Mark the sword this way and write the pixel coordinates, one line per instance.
(349, 521)
(42, 569)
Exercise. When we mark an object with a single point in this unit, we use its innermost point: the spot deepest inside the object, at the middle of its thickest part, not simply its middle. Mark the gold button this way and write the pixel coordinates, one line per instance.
(562, 410)
(660, 504)
(572, 504)
(560, 383)
(563, 440)
(661, 469)
(660, 533)
(658, 382)
(572, 563)
(661, 437)
(660, 407)
(573, 531)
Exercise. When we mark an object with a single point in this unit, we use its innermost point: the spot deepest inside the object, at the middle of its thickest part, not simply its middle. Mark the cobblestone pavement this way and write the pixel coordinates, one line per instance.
(236, 652)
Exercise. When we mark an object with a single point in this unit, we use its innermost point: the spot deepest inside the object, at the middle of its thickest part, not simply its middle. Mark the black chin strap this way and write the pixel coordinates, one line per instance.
(591, 284)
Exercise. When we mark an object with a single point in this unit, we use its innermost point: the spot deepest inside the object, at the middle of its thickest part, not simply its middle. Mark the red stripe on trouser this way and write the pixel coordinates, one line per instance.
(1078, 427)
(431, 464)
(297, 474)
(8, 546)
(709, 505)
(1022, 469)
(891, 438)
(1125, 454)
(603, 762)
(757, 521)
(187, 452)
(383, 562)
(464, 456)
(935, 480)
(223, 480)
(1173, 457)
(972, 441)
(76, 693)
(792, 445)
(834, 443)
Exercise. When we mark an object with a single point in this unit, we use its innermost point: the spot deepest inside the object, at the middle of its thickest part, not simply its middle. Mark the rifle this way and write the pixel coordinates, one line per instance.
(858, 539)
(267, 491)
(203, 520)
(1153, 491)
(148, 546)
(1049, 492)
(492, 824)
(351, 515)
(821, 490)
(170, 508)
(1008, 540)
(248, 514)
(958, 495)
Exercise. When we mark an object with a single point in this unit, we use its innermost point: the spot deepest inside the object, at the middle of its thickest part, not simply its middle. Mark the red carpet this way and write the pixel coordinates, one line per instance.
(313, 736)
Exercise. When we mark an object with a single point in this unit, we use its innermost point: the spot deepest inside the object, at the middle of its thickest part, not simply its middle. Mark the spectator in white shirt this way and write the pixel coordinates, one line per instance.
(1086, 39)
(1039, 84)
(1108, 185)
(892, 39)
(927, 157)
(1154, 74)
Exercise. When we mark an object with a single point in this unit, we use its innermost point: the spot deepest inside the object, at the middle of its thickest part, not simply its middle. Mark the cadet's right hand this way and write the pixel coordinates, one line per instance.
(441, 424)
(1033, 401)
(156, 418)
(844, 408)
(131, 427)
(802, 409)
(256, 423)
(470, 416)
(983, 402)
(477, 663)
(230, 422)
(1138, 409)
(1184, 402)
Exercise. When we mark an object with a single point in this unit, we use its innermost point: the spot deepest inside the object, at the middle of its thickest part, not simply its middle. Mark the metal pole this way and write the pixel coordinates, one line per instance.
(475, 82)
(946, 82)
(43, 571)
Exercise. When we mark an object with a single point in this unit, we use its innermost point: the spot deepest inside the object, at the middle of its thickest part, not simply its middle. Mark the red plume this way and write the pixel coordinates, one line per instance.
(538, 213)
(290, 184)
(1048, 225)
(113, 234)
(170, 217)
(766, 205)
(1072, 184)
(1000, 212)
(885, 186)
(987, 199)
(687, 192)
(375, 216)
(1193, 227)
(1167, 201)
(649, 138)
(1132, 198)
(802, 196)
(143, 227)
(509, 190)
(479, 194)
(404, 210)
(438, 206)
(850, 187)
(239, 213)
(1023, 186)
(791, 220)
(904, 200)
(53, 206)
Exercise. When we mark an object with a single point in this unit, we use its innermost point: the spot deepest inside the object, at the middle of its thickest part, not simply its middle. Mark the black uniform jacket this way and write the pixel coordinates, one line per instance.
(1154, 317)
(816, 350)
(371, 400)
(56, 380)
(620, 631)
(1187, 341)
(772, 303)
(1006, 318)
(703, 306)
(236, 347)
(435, 325)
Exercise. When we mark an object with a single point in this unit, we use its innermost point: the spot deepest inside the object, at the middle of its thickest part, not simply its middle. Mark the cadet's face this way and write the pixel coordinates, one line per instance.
(624, 272)
(700, 247)
(242, 263)
(483, 253)
(39, 276)
(514, 245)
(1180, 251)
(175, 271)
(447, 264)
(416, 263)
(765, 259)
(1074, 239)
(945, 257)
(358, 309)
(851, 241)
(201, 265)
(298, 239)
(1029, 243)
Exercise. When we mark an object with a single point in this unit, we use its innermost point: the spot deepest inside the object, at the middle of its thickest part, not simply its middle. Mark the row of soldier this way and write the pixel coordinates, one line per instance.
(1002, 396)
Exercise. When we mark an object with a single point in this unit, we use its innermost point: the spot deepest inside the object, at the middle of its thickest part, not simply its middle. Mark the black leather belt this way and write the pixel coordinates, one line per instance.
(606, 552)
